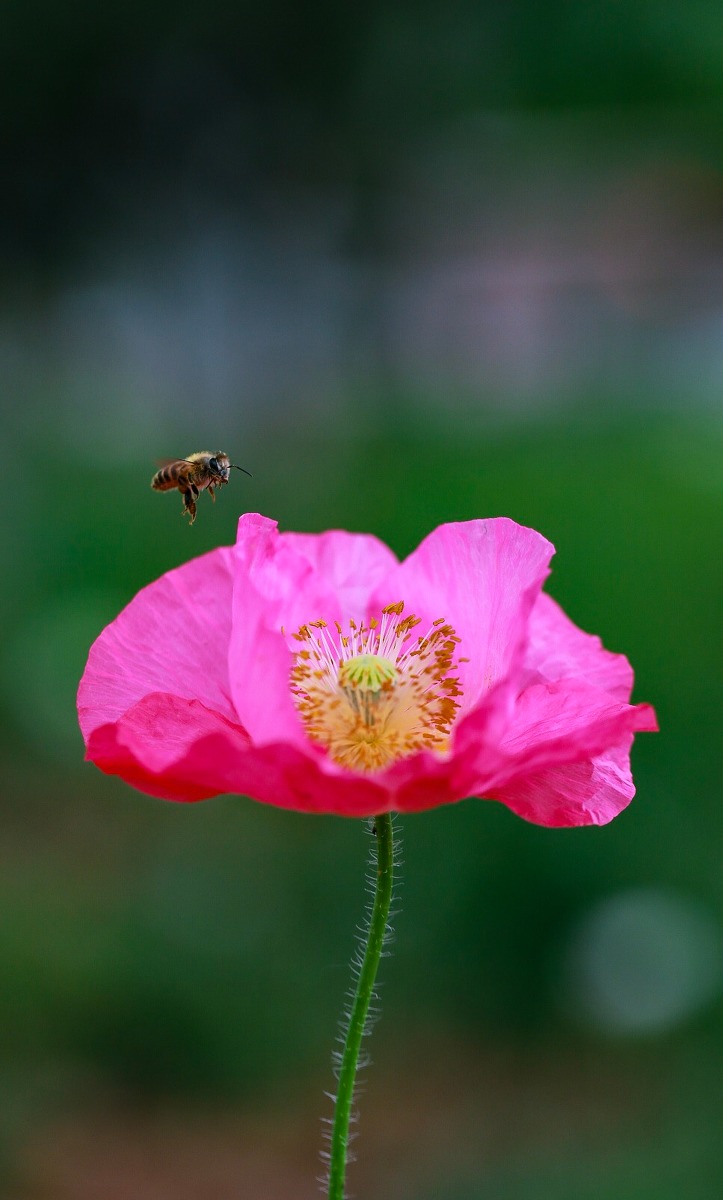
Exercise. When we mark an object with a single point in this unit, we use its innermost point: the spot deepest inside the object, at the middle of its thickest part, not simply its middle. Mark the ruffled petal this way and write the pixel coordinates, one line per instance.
(351, 564)
(169, 747)
(172, 637)
(557, 649)
(483, 577)
(178, 750)
(566, 722)
(590, 792)
(573, 707)
(282, 581)
(552, 725)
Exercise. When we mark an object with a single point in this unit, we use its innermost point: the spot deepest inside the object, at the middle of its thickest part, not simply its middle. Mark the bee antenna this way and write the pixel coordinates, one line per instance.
(241, 469)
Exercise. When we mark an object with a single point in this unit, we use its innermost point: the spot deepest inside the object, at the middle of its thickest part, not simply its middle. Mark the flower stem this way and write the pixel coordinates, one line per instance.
(383, 862)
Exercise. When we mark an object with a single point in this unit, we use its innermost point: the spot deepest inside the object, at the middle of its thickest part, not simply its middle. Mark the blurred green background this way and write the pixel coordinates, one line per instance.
(407, 264)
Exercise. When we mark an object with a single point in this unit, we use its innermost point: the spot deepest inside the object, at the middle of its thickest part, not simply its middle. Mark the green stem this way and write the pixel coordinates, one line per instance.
(383, 861)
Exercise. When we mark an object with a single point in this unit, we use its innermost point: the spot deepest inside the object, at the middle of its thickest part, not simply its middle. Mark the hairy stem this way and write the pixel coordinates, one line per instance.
(383, 864)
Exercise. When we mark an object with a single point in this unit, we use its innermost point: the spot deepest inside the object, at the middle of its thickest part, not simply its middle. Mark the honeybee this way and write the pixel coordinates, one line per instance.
(202, 471)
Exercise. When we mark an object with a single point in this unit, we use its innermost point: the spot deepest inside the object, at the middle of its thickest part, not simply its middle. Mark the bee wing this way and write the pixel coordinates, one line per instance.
(170, 462)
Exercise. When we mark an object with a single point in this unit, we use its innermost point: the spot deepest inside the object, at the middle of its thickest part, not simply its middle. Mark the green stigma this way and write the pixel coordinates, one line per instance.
(368, 672)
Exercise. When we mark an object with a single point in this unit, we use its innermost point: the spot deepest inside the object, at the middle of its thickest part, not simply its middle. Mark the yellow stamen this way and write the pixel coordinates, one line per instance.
(375, 695)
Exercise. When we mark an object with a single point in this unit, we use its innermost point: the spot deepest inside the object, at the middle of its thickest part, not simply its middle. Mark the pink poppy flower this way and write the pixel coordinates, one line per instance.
(318, 673)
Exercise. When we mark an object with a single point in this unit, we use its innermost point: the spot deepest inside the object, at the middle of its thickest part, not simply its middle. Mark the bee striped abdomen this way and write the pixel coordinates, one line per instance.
(170, 476)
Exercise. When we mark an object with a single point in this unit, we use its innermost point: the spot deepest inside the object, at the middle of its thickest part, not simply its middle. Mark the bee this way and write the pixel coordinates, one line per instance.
(202, 471)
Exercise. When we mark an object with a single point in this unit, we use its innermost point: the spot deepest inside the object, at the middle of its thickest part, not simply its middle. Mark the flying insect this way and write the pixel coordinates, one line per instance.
(202, 471)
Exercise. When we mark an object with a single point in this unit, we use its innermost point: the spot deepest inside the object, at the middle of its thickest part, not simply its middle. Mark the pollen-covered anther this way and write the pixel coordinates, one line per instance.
(373, 693)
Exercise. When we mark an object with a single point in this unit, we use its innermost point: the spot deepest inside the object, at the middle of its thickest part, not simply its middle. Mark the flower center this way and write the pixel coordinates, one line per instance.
(367, 672)
(376, 693)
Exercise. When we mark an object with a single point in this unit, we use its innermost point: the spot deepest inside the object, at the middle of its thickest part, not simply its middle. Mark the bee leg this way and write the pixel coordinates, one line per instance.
(189, 502)
(211, 492)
